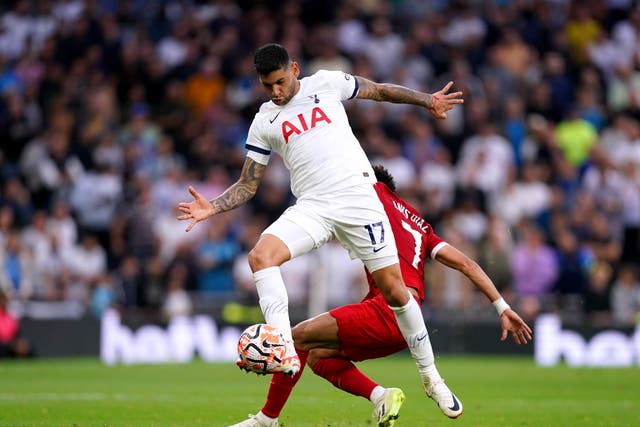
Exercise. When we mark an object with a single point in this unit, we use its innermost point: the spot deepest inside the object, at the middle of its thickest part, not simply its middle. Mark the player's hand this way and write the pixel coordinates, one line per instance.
(443, 101)
(197, 210)
(511, 322)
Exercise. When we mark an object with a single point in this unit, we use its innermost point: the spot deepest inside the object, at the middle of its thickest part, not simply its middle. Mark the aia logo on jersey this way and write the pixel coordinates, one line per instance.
(303, 124)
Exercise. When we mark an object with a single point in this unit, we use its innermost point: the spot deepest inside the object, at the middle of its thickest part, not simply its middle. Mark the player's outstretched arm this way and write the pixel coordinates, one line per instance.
(509, 319)
(237, 194)
(437, 103)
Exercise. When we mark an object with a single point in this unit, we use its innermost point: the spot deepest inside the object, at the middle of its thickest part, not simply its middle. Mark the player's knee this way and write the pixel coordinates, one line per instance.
(259, 259)
(392, 286)
(268, 252)
(300, 335)
(395, 296)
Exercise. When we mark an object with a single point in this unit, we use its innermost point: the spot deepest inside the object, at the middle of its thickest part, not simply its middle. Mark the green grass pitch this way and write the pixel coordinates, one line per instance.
(495, 391)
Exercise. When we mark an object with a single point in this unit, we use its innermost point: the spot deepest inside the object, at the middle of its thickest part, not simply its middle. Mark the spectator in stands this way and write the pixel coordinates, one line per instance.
(62, 226)
(623, 93)
(140, 137)
(94, 197)
(215, 257)
(580, 30)
(86, 263)
(177, 302)
(575, 260)
(124, 286)
(17, 198)
(523, 198)
(630, 192)
(625, 296)
(601, 241)
(383, 47)
(597, 298)
(103, 296)
(485, 160)
(7, 222)
(205, 88)
(53, 167)
(576, 137)
(324, 48)
(16, 268)
(494, 253)
(534, 268)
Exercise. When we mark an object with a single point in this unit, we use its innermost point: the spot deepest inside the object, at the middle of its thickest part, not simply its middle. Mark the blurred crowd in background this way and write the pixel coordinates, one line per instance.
(110, 109)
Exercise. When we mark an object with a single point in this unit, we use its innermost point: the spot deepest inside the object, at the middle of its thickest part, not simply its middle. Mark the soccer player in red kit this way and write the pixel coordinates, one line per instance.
(331, 341)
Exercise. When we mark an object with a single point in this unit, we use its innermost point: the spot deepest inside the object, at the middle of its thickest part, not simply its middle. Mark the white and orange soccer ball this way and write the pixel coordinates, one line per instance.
(261, 348)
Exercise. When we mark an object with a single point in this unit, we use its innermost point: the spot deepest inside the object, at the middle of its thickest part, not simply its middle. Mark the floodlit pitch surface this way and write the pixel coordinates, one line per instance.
(495, 391)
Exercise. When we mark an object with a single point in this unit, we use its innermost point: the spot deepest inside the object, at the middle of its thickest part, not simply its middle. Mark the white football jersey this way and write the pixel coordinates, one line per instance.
(313, 136)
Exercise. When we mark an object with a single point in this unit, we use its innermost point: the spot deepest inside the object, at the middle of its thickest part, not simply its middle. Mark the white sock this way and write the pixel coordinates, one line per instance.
(376, 394)
(430, 374)
(274, 301)
(414, 331)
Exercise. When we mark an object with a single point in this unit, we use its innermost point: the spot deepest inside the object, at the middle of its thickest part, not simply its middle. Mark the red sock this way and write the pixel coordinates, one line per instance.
(344, 375)
(280, 388)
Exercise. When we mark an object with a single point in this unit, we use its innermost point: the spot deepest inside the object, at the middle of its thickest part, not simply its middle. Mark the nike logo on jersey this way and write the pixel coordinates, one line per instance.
(375, 250)
(274, 119)
(423, 336)
(303, 124)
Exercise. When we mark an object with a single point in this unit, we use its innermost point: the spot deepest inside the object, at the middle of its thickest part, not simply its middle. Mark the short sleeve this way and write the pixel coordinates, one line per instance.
(344, 83)
(258, 148)
(434, 243)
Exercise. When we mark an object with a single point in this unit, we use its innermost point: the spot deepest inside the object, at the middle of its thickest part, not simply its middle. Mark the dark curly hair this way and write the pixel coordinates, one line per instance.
(383, 176)
(270, 57)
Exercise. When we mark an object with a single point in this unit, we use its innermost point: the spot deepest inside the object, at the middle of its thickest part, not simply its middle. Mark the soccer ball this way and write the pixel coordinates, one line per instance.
(261, 348)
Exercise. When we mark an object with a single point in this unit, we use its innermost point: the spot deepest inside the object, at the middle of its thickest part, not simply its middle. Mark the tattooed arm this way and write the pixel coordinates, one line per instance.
(236, 195)
(437, 103)
(242, 190)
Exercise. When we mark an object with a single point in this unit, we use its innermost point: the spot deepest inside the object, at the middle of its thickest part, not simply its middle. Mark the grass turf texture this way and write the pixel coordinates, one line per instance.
(495, 391)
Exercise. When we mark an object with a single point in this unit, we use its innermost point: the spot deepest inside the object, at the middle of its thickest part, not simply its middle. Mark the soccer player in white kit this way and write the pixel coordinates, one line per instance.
(332, 179)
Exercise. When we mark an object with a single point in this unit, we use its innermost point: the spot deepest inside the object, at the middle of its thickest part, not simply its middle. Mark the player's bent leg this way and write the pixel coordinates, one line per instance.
(389, 281)
(258, 420)
(388, 407)
(448, 403)
(414, 331)
(264, 259)
(274, 304)
(281, 241)
(318, 332)
(280, 389)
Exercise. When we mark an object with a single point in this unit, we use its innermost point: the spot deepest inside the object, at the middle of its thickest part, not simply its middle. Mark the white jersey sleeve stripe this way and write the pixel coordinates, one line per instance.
(435, 250)
(355, 89)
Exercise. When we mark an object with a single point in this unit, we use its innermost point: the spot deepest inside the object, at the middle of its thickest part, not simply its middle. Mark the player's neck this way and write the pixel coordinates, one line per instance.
(295, 92)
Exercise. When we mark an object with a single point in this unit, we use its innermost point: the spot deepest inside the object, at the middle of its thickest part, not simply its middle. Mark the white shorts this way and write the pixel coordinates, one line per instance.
(355, 216)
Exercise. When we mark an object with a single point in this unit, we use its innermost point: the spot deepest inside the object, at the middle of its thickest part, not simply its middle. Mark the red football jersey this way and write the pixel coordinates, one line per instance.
(415, 240)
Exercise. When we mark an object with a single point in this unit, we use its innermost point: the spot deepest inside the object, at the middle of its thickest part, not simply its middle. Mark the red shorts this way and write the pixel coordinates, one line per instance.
(368, 330)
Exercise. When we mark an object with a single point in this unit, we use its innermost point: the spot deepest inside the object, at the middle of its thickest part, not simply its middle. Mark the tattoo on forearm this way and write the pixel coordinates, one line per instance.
(241, 191)
(393, 93)
(402, 95)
